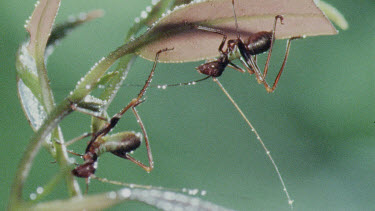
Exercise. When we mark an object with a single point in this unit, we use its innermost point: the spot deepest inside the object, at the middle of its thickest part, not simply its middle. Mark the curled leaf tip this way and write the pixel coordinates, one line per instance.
(333, 14)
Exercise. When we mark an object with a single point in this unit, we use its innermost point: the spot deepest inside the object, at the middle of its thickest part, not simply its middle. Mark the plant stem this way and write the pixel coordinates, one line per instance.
(32, 149)
(83, 88)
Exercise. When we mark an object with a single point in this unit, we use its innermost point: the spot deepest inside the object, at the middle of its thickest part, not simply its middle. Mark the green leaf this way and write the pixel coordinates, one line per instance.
(28, 87)
(63, 29)
(39, 26)
(164, 200)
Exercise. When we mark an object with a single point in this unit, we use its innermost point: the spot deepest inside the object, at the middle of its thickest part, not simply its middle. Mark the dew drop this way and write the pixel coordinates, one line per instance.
(72, 160)
(126, 192)
(144, 14)
(39, 190)
(71, 18)
(193, 192)
(33, 196)
(137, 20)
(203, 192)
(112, 195)
(88, 86)
(82, 16)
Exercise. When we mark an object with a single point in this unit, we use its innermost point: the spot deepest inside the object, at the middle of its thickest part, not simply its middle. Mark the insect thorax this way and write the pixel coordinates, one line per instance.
(234, 54)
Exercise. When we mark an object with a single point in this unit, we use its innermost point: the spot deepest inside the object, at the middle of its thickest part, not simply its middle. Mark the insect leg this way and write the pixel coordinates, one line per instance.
(271, 47)
(134, 102)
(204, 28)
(235, 67)
(271, 89)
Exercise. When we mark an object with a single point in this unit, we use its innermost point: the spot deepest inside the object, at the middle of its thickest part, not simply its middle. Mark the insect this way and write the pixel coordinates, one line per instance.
(246, 51)
(120, 144)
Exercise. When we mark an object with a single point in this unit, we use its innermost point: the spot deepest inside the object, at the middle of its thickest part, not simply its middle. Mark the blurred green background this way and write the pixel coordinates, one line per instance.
(318, 125)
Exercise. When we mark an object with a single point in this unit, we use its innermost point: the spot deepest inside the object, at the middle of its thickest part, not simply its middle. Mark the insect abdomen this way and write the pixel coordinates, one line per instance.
(259, 42)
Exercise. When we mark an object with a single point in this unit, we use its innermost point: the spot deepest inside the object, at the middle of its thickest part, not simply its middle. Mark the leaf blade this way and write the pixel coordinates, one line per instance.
(40, 25)
(165, 200)
(301, 18)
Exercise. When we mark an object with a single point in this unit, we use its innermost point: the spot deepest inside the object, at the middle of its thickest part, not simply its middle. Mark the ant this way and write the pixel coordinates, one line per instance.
(246, 51)
(120, 144)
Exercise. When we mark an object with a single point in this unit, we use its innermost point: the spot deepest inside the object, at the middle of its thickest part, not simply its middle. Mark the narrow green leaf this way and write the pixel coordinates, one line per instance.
(149, 15)
(63, 29)
(28, 87)
(164, 200)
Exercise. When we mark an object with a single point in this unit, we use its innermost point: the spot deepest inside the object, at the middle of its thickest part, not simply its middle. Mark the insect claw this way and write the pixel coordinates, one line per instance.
(281, 17)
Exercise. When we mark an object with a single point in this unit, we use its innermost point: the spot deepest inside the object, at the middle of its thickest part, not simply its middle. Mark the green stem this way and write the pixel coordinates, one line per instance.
(47, 188)
(61, 154)
(47, 98)
(32, 149)
(62, 159)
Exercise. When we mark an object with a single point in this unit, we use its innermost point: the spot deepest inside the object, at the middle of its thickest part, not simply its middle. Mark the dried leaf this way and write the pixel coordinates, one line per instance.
(301, 18)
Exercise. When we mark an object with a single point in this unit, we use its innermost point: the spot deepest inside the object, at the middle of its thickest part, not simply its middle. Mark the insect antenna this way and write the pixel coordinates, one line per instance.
(149, 187)
(290, 200)
(176, 84)
(235, 20)
(187, 83)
